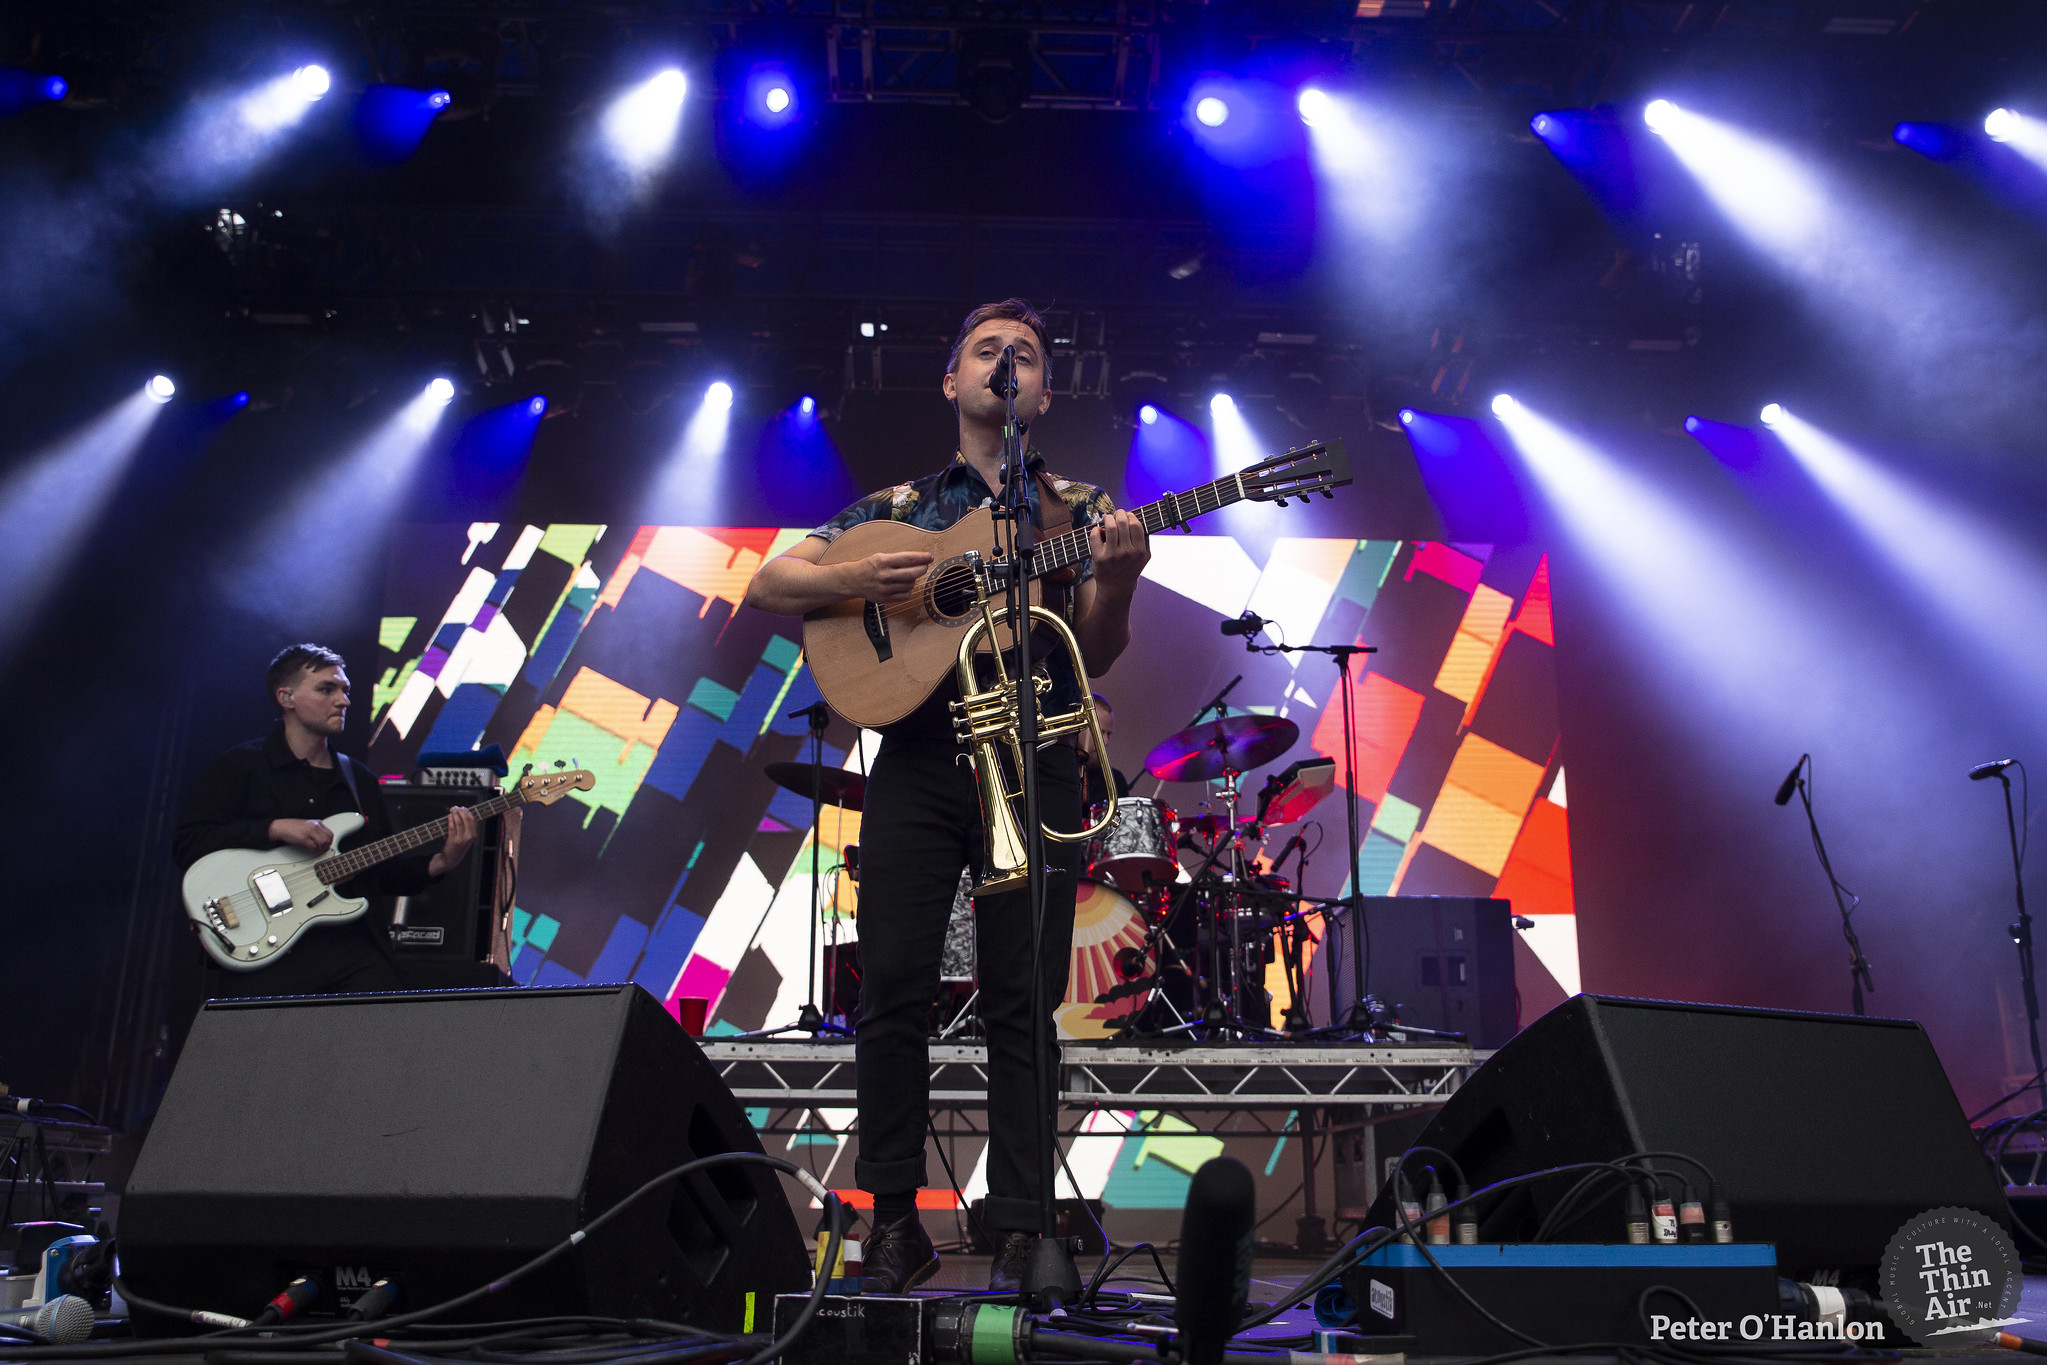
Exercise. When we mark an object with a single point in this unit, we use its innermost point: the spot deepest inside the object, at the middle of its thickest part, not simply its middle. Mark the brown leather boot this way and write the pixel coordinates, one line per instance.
(897, 1257)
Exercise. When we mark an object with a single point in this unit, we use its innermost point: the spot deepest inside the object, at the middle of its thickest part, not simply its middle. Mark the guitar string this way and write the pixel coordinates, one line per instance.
(346, 865)
(1070, 547)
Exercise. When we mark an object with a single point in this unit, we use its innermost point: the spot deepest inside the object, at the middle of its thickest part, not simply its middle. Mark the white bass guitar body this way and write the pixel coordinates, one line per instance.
(251, 904)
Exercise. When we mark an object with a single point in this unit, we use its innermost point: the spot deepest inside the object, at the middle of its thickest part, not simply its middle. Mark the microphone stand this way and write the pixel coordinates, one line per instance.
(1846, 901)
(808, 1019)
(1051, 1277)
(1360, 1017)
(2021, 930)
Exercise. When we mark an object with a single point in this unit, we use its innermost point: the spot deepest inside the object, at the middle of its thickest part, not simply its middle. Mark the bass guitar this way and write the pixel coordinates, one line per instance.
(876, 664)
(252, 904)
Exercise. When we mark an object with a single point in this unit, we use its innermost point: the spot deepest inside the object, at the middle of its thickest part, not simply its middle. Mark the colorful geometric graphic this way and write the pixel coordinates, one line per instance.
(685, 870)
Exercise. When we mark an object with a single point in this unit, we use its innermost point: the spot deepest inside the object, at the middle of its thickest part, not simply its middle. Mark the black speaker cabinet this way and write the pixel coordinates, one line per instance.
(1447, 962)
(1826, 1132)
(458, 931)
(439, 1140)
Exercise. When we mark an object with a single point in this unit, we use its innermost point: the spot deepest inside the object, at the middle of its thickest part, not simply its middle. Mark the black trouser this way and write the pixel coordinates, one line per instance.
(331, 959)
(922, 824)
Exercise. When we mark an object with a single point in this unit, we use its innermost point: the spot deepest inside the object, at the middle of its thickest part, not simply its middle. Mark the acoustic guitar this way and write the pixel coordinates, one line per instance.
(875, 664)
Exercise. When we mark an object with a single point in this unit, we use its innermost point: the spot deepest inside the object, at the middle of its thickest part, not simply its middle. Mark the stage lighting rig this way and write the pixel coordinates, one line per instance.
(1659, 114)
(1503, 404)
(161, 388)
(2000, 124)
(1212, 111)
(441, 390)
(1772, 414)
(1316, 107)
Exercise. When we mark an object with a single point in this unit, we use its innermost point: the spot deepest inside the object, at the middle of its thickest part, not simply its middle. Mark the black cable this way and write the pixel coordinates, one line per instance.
(384, 1327)
(959, 1196)
(1414, 1231)
(1642, 1305)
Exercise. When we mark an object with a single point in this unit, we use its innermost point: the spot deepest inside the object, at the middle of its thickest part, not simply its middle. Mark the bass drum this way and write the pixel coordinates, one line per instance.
(1137, 852)
(1108, 952)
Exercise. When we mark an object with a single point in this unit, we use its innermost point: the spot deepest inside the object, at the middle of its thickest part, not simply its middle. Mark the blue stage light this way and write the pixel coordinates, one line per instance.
(161, 388)
(1772, 414)
(1148, 414)
(392, 120)
(807, 405)
(1212, 111)
(240, 398)
(1407, 417)
(1658, 114)
(1692, 425)
(311, 82)
(1315, 106)
(21, 89)
(1221, 404)
(1503, 403)
(1935, 141)
(719, 395)
(769, 100)
(640, 125)
(536, 406)
(441, 391)
(2000, 124)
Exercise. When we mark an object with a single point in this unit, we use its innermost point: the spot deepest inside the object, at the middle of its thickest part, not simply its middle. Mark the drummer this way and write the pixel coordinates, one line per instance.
(1095, 795)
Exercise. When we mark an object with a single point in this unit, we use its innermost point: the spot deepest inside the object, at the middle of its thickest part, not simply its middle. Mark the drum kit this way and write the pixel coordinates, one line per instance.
(1175, 919)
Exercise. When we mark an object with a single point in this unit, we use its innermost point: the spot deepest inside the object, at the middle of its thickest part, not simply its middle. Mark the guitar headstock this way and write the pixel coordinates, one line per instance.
(546, 788)
(1299, 473)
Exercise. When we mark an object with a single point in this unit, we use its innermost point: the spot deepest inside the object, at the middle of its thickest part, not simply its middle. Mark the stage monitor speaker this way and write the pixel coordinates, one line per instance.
(458, 931)
(440, 1140)
(1446, 962)
(1826, 1132)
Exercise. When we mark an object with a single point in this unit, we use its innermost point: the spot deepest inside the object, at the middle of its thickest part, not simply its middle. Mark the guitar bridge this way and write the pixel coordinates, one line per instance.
(222, 914)
(871, 615)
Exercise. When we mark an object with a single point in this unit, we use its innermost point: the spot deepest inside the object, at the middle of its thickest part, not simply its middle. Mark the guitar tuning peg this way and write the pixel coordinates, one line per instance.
(526, 771)
(1327, 494)
(1280, 501)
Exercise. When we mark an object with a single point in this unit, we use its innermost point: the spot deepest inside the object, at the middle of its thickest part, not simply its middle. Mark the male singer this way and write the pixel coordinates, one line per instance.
(922, 821)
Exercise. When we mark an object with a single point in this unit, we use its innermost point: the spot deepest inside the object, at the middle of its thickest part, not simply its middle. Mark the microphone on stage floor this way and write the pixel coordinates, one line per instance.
(62, 1321)
(1790, 783)
(1990, 769)
(1214, 1274)
(1247, 624)
(1002, 379)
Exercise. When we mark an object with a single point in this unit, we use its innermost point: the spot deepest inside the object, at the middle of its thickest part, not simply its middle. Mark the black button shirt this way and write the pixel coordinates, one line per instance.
(242, 791)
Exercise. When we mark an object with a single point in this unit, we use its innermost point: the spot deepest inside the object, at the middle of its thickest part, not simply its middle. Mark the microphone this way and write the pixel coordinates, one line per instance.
(1990, 769)
(1247, 624)
(1286, 850)
(1002, 379)
(64, 1320)
(1214, 1272)
(1790, 783)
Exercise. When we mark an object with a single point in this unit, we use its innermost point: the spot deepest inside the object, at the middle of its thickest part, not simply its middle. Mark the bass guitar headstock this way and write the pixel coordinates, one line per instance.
(546, 788)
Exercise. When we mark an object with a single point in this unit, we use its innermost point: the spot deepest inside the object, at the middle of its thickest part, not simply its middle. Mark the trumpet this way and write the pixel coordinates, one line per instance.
(986, 717)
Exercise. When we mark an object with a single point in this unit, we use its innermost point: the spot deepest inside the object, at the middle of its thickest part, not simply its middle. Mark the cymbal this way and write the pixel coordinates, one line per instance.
(1232, 744)
(840, 788)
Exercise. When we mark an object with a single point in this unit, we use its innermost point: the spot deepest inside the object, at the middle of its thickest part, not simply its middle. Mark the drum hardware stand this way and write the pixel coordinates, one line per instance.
(809, 1019)
(2020, 929)
(1358, 1017)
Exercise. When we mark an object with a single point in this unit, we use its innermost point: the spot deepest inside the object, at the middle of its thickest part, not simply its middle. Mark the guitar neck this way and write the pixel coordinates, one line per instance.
(1174, 509)
(339, 868)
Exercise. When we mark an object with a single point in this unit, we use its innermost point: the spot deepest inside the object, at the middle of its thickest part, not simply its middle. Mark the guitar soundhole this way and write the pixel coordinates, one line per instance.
(952, 591)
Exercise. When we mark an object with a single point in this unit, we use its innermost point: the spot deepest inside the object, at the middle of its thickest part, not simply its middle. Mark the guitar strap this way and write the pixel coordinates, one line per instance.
(348, 775)
(1055, 518)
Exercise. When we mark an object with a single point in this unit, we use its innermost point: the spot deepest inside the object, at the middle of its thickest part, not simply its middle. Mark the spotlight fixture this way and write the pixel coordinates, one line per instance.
(1315, 106)
(2000, 124)
(311, 82)
(776, 99)
(1147, 414)
(1542, 125)
(1503, 403)
(1772, 414)
(1221, 404)
(807, 405)
(1407, 417)
(441, 390)
(641, 124)
(161, 388)
(1692, 425)
(536, 406)
(1658, 114)
(1211, 111)
(719, 395)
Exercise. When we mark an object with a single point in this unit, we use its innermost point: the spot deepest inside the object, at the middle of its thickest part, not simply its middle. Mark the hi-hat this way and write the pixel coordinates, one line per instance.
(1233, 744)
(840, 788)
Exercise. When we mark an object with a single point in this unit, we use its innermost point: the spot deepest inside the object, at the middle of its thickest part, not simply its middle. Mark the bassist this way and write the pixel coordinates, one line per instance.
(278, 790)
(922, 819)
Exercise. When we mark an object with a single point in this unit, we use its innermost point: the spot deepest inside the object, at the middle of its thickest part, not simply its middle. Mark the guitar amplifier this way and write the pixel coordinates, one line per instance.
(458, 931)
